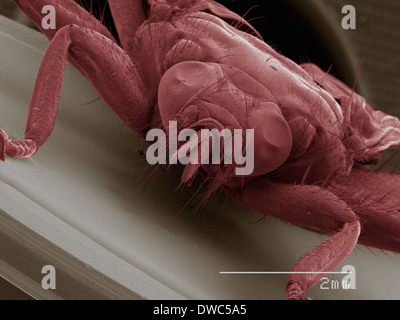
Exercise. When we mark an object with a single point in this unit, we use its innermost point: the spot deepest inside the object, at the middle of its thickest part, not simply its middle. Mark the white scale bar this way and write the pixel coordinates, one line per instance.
(282, 272)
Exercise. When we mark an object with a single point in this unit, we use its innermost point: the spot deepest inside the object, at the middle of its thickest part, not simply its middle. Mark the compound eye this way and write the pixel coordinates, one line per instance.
(183, 83)
(272, 138)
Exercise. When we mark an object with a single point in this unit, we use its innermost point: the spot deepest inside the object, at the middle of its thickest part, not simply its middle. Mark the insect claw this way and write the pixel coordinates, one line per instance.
(295, 292)
(18, 149)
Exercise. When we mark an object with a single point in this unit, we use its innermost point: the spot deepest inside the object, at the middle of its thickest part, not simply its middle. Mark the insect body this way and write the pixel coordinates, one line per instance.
(181, 61)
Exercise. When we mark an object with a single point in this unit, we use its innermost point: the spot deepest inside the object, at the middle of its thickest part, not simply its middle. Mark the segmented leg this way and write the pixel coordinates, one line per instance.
(308, 206)
(104, 63)
(67, 12)
(128, 16)
(375, 198)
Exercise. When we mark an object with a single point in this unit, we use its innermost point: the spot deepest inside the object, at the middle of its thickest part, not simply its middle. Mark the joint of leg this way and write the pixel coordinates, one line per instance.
(295, 292)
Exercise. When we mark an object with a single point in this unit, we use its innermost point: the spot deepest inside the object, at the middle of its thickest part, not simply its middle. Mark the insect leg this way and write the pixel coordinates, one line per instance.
(104, 63)
(128, 16)
(375, 198)
(308, 206)
(67, 12)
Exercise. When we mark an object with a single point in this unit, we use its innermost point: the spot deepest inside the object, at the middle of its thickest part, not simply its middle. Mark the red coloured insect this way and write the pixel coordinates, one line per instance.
(183, 60)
